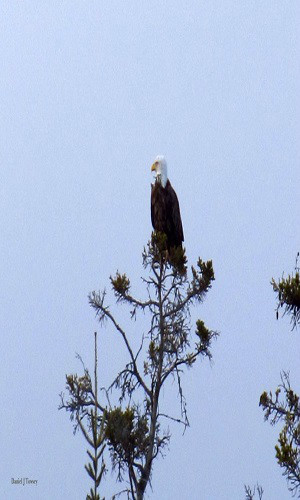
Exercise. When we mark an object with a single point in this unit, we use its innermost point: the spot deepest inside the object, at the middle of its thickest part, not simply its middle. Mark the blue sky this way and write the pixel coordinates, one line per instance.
(90, 93)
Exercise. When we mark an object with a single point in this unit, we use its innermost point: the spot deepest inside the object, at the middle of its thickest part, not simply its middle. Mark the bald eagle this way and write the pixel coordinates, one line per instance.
(165, 211)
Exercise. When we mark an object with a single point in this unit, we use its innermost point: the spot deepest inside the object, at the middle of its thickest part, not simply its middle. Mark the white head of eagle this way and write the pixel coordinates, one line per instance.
(160, 170)
(165, 211)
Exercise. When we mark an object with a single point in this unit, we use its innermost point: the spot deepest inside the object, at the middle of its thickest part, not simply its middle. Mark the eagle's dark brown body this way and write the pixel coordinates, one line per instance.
(165, 213)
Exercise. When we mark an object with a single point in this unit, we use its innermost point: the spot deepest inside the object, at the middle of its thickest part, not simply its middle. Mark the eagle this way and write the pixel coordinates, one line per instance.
(165, 211)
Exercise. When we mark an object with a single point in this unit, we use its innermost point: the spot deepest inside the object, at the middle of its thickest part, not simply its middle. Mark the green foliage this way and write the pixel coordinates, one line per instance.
(127, 435)
(205, 337)
(203, 333)
(80, 390)
(158, 244)
(284, 405)
(288, 294)
(94, 469)
(286, 409)
(120, 284)
(158, 252)
(202, 278)
(84, 411)
(178, 259)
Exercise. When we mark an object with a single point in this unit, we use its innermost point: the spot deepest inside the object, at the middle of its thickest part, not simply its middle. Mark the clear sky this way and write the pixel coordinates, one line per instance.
(90, 93)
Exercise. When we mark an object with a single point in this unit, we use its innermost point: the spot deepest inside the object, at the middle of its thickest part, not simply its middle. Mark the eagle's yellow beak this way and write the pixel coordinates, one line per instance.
(153, 168)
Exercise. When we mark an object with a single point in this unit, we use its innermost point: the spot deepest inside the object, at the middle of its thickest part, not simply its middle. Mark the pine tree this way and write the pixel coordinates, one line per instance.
(284, 405)
(134, 429)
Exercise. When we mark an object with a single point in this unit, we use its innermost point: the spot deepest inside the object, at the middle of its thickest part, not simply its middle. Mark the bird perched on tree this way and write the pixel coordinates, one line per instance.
(165, 211)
